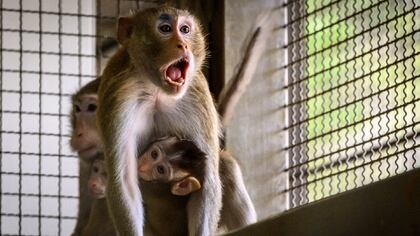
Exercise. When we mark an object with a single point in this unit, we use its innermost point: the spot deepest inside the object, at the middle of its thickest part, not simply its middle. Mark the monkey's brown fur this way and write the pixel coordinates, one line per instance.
(136, 106)
(85, 201)
(99, 223)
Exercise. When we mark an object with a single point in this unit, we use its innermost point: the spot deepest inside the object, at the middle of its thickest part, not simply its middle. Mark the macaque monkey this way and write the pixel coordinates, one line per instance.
(85, 141)
(174, 161)
(153, 87)
(178, 164)
(84, 138)
(99, 222)
(169, 172)
(97, 179)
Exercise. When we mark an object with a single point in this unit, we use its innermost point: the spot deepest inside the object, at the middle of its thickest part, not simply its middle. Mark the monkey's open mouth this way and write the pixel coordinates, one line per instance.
(176, 72)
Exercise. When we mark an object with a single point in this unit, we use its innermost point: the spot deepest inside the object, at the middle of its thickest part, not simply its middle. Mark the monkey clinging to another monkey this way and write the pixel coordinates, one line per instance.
(153, 87)
(174, 166)
(173, 161)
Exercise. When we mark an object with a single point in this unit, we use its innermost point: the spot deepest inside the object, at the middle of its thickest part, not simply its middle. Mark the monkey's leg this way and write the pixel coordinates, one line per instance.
(238, 209)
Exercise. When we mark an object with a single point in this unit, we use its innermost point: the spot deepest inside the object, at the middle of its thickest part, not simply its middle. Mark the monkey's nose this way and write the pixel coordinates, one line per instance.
(182, 46)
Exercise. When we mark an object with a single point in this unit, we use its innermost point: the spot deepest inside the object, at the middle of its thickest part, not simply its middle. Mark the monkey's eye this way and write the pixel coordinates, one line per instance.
(92, 107)
(165, 28)
(95, 169)
(77, 108)
(160, 169)
(185, 29)
(154, 154)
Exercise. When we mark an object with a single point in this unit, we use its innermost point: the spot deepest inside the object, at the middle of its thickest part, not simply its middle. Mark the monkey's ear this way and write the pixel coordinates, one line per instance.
(125, 28)
(185, 186)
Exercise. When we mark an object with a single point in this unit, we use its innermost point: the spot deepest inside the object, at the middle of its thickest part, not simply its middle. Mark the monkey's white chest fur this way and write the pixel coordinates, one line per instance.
(160, 115)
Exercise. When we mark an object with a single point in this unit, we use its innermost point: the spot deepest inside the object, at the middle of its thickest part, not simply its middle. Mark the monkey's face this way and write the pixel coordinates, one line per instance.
(97, 180)
(154, 166)
(84, 138)
(169, 159)
(169, 44)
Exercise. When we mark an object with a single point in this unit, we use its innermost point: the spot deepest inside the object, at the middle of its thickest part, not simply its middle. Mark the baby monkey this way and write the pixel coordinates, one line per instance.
(173, 161)
(97, 179)
(99, 222)
(177, 165)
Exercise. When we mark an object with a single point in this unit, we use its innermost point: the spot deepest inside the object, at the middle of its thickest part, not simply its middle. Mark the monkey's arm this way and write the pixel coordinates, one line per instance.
(238, 209)
(116, 119)
(204, 205)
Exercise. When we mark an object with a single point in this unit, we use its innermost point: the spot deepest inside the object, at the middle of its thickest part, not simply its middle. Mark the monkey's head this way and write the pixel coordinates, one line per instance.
(172, 160)
(154, 163)
(84, 137)
(97, 179)
(165, 42)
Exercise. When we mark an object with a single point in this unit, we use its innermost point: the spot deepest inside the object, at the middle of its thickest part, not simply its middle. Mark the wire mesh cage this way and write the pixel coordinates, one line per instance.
(354, 93)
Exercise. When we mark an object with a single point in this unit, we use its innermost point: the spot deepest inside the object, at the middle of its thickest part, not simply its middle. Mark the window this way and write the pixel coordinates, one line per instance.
(353, 94)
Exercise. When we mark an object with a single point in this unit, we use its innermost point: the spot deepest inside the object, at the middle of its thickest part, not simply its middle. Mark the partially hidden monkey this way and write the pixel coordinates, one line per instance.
(85, 141)
(84, 136)
(178, 165)
(169, 171)
(174, 161)
(152, 87)
(99, 223)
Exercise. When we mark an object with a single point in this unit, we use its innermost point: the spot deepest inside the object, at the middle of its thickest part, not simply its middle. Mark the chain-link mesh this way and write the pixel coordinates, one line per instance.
(354, 92)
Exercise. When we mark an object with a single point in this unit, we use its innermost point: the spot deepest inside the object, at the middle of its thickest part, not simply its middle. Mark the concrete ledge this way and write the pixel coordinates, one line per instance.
(387, 207)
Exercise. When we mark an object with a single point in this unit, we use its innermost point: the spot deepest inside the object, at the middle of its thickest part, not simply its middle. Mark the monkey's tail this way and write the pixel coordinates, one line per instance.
(236, 86)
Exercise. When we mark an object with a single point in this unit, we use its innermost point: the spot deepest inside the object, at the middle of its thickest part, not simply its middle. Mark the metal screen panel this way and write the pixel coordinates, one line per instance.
(47, 52)
(354, 92)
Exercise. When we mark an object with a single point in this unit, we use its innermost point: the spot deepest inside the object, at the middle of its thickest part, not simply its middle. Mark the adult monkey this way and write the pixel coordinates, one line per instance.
(85, 141)
(152, 87)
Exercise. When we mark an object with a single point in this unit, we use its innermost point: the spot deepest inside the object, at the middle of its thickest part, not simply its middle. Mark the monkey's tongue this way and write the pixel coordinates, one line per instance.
(174, 73)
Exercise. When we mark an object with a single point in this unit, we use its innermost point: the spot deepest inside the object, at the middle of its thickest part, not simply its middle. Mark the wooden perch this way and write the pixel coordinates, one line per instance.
(231, 93)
